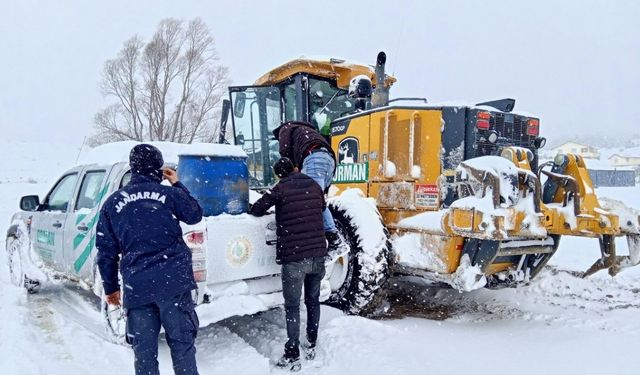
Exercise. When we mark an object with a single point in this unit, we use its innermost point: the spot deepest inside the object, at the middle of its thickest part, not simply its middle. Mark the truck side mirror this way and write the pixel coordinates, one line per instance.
(226, 107)
(29, 202)
(238, 104)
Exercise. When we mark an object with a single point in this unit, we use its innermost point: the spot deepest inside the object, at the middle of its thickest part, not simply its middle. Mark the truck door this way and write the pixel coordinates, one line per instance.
(47, 225)
(80, 227)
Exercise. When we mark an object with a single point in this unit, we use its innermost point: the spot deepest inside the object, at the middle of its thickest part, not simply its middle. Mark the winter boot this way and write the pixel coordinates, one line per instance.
(309, 349)
(335, 243)
(290, 364)
(31, 285)
(290, 360)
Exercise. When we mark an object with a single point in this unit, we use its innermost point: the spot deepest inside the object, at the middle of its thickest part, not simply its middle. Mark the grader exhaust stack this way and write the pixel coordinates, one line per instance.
(380, 97)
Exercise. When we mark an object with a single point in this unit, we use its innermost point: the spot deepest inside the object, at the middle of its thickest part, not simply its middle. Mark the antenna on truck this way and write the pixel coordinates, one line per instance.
(80, 150)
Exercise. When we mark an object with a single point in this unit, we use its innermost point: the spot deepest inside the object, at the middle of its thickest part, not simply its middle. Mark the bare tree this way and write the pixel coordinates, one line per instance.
(168, 89)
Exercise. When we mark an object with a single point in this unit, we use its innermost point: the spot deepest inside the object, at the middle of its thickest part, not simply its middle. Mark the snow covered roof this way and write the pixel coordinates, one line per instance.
(342, 70)
(111, 153)
(603, 164)
(571, 143)
(625, 155)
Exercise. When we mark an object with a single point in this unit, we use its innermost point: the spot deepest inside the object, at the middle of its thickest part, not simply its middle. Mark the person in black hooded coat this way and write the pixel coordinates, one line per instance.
(313, 156)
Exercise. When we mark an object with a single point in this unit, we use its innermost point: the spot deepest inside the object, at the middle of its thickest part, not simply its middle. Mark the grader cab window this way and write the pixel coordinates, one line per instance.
(326, 103)
(315, 100)
(291, 110)
(258, 110)
(256, 113)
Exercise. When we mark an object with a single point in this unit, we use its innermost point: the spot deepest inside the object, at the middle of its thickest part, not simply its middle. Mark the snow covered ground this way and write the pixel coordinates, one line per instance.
(559, 324)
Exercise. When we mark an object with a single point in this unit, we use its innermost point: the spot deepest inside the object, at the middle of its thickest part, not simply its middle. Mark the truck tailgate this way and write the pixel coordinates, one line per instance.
(237, 248)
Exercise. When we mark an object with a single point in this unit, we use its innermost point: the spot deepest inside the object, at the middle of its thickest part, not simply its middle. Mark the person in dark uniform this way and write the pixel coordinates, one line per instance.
(139, 233)
(301, 250)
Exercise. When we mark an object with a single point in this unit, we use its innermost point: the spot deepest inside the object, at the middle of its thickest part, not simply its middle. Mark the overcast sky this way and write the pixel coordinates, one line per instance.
(575, 64)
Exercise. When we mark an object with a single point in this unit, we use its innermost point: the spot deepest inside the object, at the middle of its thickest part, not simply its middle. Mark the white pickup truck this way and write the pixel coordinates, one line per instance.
(233, 255)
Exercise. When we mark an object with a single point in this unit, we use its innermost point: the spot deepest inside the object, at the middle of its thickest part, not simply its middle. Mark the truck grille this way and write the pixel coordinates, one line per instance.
(509, 126)
(512, 127)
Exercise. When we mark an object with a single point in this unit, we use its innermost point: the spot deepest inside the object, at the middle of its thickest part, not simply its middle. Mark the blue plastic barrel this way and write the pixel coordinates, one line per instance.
(219, 183)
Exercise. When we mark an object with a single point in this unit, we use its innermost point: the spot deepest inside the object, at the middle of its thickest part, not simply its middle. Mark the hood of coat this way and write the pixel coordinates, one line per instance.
(292, 124)
(146, 161)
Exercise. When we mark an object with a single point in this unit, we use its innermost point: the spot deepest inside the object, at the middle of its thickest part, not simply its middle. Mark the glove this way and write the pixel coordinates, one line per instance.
(113, 298)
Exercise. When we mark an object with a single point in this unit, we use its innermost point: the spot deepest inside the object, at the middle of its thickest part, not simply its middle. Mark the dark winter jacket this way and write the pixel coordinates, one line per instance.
(299, 204)
(297, 139)
(140, 223)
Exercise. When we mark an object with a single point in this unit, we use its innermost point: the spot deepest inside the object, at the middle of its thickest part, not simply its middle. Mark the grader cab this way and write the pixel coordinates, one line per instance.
(458, 188)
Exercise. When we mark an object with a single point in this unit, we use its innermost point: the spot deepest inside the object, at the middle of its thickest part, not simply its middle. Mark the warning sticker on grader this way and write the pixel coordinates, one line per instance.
(427, 196)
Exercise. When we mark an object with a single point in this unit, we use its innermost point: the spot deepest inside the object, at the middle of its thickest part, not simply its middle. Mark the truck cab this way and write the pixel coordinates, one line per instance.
(62, 227)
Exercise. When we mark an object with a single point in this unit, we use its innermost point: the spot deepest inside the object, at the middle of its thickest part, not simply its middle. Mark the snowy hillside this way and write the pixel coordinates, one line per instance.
(559, 324)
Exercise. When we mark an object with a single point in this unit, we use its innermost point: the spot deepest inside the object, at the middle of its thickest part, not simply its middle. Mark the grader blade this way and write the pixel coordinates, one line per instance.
(604, 218)
(613, 262)
(608, 259)
(633, 259)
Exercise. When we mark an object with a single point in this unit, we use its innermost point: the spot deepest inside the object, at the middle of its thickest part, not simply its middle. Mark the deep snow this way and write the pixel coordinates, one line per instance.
(559, 324)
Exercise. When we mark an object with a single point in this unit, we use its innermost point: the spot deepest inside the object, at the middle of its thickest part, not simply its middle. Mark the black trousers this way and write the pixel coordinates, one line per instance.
(178, 317)
(308, 272)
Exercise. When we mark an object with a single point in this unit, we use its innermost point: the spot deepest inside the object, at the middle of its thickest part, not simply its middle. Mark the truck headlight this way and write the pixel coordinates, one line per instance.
(539, 142)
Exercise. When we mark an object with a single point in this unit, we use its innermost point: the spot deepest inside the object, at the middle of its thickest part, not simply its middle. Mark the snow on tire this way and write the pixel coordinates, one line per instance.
(18, 257)
(113, 317)
(14, 260)
(361, 227)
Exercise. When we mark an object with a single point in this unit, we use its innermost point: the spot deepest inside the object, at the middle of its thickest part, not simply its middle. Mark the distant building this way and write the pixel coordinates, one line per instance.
(587, 152)
(612, 177)
(624, 160)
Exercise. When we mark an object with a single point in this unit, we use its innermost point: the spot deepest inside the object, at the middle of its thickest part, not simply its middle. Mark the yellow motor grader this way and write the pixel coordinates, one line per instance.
(452, 193)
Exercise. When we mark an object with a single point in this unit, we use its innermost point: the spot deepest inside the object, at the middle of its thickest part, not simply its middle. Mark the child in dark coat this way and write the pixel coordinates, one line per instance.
(301, 249)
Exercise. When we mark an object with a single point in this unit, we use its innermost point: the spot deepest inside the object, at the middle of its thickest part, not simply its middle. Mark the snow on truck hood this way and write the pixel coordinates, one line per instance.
(460, 104)
(115, 152)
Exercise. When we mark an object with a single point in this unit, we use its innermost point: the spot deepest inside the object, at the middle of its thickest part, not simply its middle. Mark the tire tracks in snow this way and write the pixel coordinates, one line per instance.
(556, 297)
(263, 331)
(42, 314)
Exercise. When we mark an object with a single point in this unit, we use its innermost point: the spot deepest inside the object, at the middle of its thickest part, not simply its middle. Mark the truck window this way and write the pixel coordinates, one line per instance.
(89, 190)
(59, 197)
(125, 180)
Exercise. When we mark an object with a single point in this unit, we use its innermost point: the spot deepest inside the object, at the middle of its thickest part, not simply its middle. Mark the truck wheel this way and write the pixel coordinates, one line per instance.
(357, 274)
(14, 260)
(115, 321)
(113, 317)
(17, 246)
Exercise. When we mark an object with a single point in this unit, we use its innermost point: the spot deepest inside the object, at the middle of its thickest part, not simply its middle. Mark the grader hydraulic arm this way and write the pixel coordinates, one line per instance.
(502, 201)
(569, 184)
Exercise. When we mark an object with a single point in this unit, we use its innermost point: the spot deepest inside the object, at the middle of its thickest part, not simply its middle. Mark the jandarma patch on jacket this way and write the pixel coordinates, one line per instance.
(140, 195)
